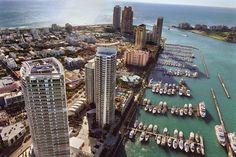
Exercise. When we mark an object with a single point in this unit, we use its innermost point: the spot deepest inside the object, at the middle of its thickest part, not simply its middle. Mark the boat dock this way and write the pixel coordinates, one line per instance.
(166, 136)
(205, 66)
(228, 148)
(223, 85)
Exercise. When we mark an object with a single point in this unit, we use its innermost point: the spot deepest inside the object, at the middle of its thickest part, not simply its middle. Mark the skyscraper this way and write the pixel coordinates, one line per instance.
(89, 82)
(127, 20)
(43, 84)
(159, 29)
(116, 17)
(105, 83)
(140, 38)
(154, 34)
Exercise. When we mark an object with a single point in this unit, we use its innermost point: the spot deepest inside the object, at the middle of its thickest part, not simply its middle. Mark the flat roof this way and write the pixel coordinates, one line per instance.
(106, 51)
(11, 131)
(76, 142)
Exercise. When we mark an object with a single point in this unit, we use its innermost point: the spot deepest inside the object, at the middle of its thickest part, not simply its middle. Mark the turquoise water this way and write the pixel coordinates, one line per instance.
(220, 58)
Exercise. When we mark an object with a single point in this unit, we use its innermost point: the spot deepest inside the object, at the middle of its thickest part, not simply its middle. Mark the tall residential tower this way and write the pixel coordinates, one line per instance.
(140, 37)
(43, 84)
(159, 29)
(127, 20)
(116, 17)
(89, 82)
(105, 83)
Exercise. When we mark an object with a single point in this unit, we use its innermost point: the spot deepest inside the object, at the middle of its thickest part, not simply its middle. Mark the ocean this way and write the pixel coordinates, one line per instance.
(219, 56)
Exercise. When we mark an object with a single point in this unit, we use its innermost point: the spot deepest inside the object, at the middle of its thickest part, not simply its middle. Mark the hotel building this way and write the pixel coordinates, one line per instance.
(116, 17)
(127, 20)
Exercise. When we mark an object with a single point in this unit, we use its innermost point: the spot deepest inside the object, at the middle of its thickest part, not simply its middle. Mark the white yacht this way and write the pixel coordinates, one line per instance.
(169, 142)
(140, 126)
(158, 139)
(131, 134)
(202, 109)
(142, 136)
(175, 144)
(232, 140)
(186, 146)
(136, 124)
(220, 134)
(192, 147)
(181, 144)
(155, 129)
(150, 127)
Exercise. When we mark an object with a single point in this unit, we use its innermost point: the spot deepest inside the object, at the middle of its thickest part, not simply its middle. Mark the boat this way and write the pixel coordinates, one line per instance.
(175, 144)
(142, 136)
(188, 93)
(155, 129)
(161, 91)
(163, 141)
(169, 142)
(150, 127)
(159, 109)
(198, 150)
(144, 101)
(153, 89)
(186, 146)
(220, 134)
(190, 112)
(181, 134)
(181, 144)
(131, 134)
(154, 111)
(176, 132)
(146, 108)
(192, 147)
(181, 112)
(232, 140)
(140, 126)
(197, 138)
(136, 124)
(180, 92)
(150, 108)
(191, 136)
(177, 111)
(173, 91)
(173, 110)
(144, 127)
(147, 137)
(165, 131)
(202, 109)
(158, 139)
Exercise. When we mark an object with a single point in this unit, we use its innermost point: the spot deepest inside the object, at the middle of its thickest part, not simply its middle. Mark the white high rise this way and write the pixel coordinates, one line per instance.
(105, 83)
(43, 84)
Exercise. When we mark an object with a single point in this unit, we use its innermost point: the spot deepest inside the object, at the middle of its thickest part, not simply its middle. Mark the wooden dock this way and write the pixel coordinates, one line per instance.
(205, 66)
(223, 85)
(228, 148)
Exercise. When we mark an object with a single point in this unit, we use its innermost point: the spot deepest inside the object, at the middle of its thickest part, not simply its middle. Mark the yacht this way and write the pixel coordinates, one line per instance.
(197, 138)
(146, 108)
(177, 111)
(181, 144)
(198, 150)
(131, 134)
(220, 134)
(144, 127)
(155, 128)
(136, 124)
(232, 140)
(140, 126)
(149, 102)
(181, 134)
(150, 127)
(150, 108)
(191, 136)
(173, 110)
(192, 147)
(153, 89)
(142, 136)
(175, 144)
(202, 109)
(158, 139)
(163, 141)
(188, 93)
(186, 146)
(145, 102)
(147, 137)
(176, 132)
(161, 91)
(169, 142)
(181, 112)
(154, 111)
(165, 131)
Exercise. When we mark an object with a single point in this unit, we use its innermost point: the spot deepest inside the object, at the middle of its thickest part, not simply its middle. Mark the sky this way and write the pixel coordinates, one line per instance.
(212, 3)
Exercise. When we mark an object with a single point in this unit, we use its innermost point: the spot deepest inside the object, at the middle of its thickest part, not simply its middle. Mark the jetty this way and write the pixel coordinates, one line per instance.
(223, 85)
(228, 147)
(205, 66)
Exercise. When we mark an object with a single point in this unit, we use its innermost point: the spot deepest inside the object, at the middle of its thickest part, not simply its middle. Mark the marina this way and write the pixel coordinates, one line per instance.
(192, 145)
(223, 85)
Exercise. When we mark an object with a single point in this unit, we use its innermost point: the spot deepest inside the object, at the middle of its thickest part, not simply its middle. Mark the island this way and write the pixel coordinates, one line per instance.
(219, 32)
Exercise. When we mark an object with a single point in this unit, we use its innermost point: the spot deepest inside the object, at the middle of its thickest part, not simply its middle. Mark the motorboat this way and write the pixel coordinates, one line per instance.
(173, 110)
(202, 109)
(232, 140)
(181, 112)
(150, 108)
(158, 139)
(175, 144)
(163, 141)
(181, 144)
(176, 132)
(192, 147)
(191, 136)
(147, 137)
(140, 126)
(155, 128)
(131, 134)
(186, 146)
(165, 131)
(150, 127)
(181, 134)
(154, 111)
(146, 108)
(169, 142)
(220, 134)
(136, 124)
(144, 127)
(197, 138)
(142, 136)
(144, 101)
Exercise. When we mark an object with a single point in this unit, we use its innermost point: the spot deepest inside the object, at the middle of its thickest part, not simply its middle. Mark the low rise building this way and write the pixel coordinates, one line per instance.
(74, 63)
(7, 84)
(10, 134)
(11, 63)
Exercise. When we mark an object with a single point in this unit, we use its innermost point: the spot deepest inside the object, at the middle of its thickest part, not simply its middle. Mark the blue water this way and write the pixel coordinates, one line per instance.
(220, 58)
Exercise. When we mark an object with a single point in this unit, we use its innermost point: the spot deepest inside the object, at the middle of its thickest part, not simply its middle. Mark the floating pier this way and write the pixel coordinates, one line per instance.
(228, 148)
(205, 66)
(223, 85)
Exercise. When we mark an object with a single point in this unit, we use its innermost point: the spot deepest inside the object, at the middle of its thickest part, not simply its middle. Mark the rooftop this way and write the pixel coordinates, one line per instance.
(11, 131)
(5, 81)
(90, 65)
(76, 142)
(106, 51)
(43, 66)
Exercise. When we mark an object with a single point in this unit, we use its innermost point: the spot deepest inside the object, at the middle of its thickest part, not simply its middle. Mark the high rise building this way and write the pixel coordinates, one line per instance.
(105, 83)
(140, 37)
(43, 84)
(116, 17)
(136, 57)
(127, 20)
(89, 82)
(154, 34)
(159, 29)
